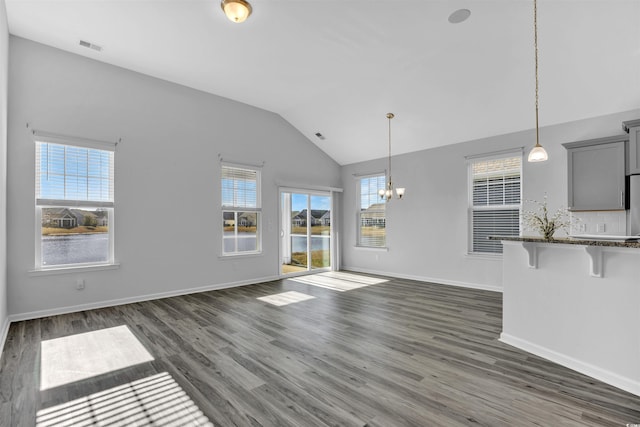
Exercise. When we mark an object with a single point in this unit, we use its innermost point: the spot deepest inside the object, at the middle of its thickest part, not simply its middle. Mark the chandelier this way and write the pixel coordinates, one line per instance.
(387, 194)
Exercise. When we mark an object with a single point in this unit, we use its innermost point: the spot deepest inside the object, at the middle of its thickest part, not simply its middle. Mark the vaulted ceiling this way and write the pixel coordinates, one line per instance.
(338, 66)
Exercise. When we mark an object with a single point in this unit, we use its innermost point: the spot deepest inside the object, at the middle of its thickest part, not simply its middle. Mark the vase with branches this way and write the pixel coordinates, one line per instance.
(540, 220)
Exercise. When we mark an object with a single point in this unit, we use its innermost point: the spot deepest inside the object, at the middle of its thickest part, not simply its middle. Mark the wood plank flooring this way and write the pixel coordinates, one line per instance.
(358, 353)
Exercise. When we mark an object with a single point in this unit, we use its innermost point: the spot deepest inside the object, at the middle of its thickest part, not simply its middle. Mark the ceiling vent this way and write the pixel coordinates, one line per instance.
(90, 45)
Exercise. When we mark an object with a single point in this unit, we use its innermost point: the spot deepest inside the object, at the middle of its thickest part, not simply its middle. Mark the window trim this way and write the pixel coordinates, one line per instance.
(40, 137)
(497, 155)
(75, 268)
(359, 178)
(257, 210)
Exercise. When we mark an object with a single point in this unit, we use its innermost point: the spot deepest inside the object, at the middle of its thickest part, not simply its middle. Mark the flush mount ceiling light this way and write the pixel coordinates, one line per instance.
(236, 10)
(537, 153)
(387, 194)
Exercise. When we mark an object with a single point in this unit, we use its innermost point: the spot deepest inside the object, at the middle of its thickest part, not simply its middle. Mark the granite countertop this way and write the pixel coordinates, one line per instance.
(572, 241)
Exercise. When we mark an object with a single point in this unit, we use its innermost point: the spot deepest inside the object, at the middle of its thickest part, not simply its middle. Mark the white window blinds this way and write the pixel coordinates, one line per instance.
(73, 176)
(74, 191)
(241, 210)
(369, 187)
(371, 215)
(240, 188)
(495, 201)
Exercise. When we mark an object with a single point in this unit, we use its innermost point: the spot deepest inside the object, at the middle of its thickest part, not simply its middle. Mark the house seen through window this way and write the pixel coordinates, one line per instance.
(241, 209)
(74, 205)
(371, 213)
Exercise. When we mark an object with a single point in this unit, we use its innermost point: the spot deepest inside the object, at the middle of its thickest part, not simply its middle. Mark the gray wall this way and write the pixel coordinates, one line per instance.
(167, 185)
(167, 217)
(427, 231)
(4, 58)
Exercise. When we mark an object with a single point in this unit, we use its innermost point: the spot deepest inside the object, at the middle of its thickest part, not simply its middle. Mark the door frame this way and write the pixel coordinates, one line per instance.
(333, 243)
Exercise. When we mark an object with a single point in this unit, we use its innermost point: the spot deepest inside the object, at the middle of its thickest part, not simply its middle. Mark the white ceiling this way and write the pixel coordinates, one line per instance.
(338, 66)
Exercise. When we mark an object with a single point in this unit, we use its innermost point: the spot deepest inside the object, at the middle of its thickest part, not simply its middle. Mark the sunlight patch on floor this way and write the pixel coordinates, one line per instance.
(286, 269)
(78, 357)
(338, 281)
(286, 298)
(153, 401)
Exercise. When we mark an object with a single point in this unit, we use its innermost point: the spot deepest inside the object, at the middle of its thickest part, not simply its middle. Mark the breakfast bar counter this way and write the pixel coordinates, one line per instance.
(577, 303)
(608, 241)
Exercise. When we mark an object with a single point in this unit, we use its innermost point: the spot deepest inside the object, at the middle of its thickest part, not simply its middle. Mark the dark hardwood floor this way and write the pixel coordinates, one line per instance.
(353, 353)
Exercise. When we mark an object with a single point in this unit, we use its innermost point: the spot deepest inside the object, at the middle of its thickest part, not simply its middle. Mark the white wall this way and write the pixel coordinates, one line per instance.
(427, 231)
(4, 58)
(167, 217)
(167, 171)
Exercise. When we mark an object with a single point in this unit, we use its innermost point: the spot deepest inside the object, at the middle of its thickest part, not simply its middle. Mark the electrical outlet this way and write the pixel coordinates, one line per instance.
(601, 228)
(80, 284)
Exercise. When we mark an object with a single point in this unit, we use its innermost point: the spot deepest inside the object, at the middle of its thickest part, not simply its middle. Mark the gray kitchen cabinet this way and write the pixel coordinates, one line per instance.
(596, 172)
(632, 127)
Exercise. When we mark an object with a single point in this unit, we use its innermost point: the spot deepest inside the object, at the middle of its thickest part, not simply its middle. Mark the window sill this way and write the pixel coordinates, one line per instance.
(74, 269)
(488, 256)
(239, 256)
(371, 248)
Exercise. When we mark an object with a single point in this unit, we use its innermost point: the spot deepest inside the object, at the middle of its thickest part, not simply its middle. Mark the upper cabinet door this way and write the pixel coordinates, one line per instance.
(596, 174)
(633, 162)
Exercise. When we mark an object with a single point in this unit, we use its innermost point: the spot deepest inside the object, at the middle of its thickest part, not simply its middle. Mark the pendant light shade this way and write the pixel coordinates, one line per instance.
(236, 10)
(537, 153)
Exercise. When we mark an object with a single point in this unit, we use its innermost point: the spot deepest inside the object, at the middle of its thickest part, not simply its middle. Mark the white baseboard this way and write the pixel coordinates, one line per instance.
(605, 376)
(426, 279)
(3, 335)
(140, 298)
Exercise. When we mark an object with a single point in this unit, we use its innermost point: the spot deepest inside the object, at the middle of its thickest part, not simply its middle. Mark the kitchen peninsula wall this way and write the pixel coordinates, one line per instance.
(575, 303)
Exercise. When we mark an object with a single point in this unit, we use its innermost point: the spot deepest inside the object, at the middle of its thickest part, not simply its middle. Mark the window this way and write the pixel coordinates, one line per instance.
(241, 209)
(371, 213)
(494, 201)
(74, 205)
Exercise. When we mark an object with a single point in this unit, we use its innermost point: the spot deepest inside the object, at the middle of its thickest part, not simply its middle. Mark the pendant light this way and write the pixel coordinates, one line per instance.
(236, 10)
(387, 194)
(538, 153)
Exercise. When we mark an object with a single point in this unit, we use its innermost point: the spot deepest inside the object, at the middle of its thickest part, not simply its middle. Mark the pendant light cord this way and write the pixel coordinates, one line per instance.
(389, 116)
(535, 43)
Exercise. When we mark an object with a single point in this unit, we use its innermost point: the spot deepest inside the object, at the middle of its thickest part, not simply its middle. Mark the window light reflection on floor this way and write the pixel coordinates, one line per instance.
(285, 298)
(339, 281)
(78, 357)
(157, 400)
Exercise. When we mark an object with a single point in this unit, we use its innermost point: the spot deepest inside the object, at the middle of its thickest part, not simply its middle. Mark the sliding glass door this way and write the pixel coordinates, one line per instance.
(306, 231)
